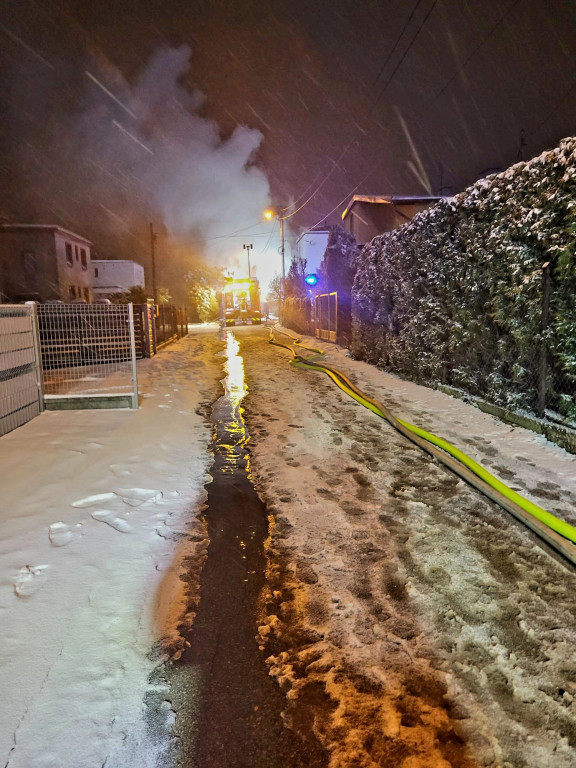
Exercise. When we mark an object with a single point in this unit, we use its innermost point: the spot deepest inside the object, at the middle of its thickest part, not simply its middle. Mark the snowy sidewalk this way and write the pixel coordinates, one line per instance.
(524, 460)
(436, 629)
(92, 506)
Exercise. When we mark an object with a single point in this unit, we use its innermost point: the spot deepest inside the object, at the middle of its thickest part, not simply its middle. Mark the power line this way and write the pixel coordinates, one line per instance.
(269, 239)
(308, 188)
(345, 150)
(318, 188)
(406, 52)
(236, 233)
(383, 67)
(343, 199)
(230, 234)
(492, 30)
(224, 237)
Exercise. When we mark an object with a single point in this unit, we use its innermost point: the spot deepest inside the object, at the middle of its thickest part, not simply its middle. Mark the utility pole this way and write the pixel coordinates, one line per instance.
(248, 248)
(277, 213)
(153, 253)
(281, 220)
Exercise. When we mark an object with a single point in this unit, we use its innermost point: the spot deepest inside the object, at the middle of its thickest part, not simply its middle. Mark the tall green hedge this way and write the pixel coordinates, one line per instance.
(457, 294)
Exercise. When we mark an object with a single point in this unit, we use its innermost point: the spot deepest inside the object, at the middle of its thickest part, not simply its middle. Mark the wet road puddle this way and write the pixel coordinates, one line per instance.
(233, 717)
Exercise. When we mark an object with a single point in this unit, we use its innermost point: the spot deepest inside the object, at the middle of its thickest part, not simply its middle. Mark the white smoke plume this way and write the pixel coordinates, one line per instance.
(119, 155)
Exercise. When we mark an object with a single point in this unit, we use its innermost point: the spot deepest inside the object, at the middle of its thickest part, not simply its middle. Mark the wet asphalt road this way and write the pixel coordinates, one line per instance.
(230, 713)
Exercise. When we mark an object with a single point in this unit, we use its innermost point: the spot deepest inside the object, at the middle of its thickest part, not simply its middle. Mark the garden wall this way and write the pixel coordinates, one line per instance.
(479, 291)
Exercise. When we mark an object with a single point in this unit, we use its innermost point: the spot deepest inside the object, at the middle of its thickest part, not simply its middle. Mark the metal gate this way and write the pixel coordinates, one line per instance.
(326, 316)
(88, 355)
(20, 375)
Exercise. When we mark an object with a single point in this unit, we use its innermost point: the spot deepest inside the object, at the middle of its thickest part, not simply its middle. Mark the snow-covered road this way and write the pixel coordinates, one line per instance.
(427, 625)
(409, 621)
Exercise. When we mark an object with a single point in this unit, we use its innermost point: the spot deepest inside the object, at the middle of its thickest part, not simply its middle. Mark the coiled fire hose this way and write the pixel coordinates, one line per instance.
(556, 532)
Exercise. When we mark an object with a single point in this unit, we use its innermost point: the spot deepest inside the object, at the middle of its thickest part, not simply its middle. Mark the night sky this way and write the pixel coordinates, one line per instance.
(383, 97)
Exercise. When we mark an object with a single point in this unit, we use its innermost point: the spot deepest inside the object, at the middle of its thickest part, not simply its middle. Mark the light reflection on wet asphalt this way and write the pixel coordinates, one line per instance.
(232, 715)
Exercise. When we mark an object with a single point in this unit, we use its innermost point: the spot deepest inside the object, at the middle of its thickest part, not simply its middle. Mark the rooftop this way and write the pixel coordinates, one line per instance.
(53, 227)
(318, 229)
(392, 200)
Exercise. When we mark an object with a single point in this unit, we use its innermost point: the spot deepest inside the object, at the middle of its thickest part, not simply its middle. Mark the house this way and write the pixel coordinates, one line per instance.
(311, 246)
(43, 262)
(115, 276)
(366, 216)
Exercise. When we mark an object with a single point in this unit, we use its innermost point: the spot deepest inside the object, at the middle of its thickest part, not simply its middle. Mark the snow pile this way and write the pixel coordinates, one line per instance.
(458, 294)
(98, 523)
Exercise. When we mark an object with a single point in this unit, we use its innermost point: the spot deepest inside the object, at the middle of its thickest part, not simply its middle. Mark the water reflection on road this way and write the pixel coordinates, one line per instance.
(231, 432)
(232, 716)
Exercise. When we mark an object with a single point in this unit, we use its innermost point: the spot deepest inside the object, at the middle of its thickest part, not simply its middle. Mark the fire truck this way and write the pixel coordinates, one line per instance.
(240, 302)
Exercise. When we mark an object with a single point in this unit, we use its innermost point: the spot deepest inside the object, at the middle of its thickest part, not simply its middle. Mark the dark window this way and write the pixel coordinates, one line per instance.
(29, 261)
(72, 291)
(83, 258)
(95, 271)
(76, 252)
(87, 294)
(69, 259)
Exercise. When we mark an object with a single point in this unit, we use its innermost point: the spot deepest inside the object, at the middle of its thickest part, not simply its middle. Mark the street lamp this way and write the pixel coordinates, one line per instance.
(248, 248)
(270, 214)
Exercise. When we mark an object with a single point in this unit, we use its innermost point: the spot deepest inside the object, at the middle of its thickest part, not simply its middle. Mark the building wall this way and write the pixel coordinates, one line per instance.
(115, 276)
(365, 220)
(74, 267)
(28, 266)
(311, 247)
(43, 263)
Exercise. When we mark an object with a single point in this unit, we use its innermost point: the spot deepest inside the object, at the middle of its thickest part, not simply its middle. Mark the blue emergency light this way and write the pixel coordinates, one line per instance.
(311, 279)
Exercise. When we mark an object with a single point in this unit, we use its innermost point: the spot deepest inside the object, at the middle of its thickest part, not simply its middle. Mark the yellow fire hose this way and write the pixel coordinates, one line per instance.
(558, 533)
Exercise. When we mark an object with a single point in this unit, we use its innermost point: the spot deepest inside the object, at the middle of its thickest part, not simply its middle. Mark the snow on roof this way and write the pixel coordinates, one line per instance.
(391, 200)
(53, 227)
(317, 230)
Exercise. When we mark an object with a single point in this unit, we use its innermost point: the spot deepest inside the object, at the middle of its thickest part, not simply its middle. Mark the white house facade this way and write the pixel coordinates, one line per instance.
(115, 276)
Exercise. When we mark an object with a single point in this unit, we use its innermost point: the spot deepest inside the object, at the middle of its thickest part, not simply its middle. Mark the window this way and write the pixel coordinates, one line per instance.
(95, 271)
(76, 252)
(29, 261)
(72, 292)
(69, 259)
(83, 258)
(87, 294)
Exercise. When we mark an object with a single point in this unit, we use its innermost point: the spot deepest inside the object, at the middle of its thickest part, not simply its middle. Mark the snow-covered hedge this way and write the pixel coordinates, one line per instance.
(457, 294)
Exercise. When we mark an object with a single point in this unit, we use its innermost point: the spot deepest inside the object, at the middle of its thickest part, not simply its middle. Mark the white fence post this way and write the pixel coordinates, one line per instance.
(133, 348)
(39, 373)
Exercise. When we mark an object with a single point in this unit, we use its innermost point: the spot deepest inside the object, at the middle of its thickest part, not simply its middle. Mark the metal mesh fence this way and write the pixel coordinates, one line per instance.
(20, 380)
(144, 330)
(522, 363)
(522, 377)
(88, 349)
(326, 316)
(296, 314)
(170, 323)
